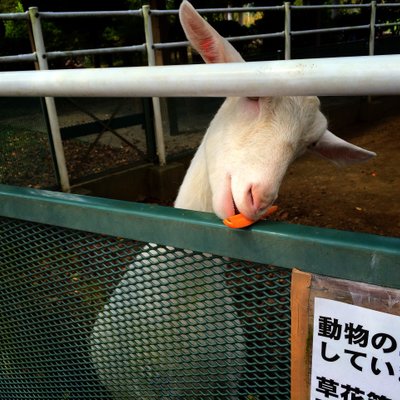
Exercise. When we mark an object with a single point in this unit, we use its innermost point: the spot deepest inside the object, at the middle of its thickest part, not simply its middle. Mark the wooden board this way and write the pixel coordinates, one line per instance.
(305, 288)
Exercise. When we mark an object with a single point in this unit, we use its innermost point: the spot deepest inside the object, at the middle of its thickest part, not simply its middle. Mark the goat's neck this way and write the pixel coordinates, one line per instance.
(195, 192)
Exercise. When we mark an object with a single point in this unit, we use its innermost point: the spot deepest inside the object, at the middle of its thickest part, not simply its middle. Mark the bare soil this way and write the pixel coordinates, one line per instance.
(362, 198)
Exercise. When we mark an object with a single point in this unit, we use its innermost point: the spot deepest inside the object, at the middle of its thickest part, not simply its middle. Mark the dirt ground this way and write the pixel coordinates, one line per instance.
(362, 198)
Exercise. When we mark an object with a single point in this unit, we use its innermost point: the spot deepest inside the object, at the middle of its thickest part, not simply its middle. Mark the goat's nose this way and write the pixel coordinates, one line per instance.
(259, 200)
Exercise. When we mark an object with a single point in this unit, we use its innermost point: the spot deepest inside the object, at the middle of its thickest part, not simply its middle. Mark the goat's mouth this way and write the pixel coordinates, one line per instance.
(235, 209)
(252, 215)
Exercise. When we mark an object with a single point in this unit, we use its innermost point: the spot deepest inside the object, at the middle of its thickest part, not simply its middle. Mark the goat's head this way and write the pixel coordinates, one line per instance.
(251, 141)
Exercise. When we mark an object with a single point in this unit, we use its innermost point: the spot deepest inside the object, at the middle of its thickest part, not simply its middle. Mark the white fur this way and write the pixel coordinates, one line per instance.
(251, 142)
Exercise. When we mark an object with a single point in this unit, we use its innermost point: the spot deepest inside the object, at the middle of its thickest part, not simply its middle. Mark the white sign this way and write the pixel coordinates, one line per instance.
(355, 354)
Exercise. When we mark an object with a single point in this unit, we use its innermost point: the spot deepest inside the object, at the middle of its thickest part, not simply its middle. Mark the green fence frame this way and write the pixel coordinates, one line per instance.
(354, 256)
(222, 298)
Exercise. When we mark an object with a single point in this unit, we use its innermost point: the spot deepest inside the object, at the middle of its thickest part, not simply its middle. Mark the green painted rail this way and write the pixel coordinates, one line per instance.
(354, 256)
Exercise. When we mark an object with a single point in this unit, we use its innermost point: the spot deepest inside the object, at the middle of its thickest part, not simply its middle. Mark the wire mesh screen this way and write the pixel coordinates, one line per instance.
(88, 316)
(102, 134)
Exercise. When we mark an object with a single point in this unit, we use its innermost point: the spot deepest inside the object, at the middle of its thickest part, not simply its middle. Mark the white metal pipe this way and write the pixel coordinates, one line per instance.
(14, 16)
(387, 24)
(173, 45)
(51, 55)
(327, 30)
(90, 14)
(19, 58)
(288, 41)
(351, 76)
(151, 60)
(329, 6)
(371, 47)
(388, 5)
(221, 10)
(49, 101)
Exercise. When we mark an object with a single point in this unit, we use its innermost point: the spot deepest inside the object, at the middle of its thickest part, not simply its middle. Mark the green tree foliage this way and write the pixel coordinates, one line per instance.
(7, 6)
(14, 29)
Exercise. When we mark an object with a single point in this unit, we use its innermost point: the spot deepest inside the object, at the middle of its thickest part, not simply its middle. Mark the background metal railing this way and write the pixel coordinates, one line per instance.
(147, 14)
(40, 55)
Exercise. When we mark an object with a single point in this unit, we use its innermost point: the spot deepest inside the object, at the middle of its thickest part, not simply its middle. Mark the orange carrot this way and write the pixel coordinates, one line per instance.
(240, 221)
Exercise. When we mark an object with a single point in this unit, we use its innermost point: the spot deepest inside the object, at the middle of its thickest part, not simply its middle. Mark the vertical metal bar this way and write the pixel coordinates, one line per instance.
(44, 111)
(371, 48)
(156, 100)
(148, 29)
(287, 32)
(372, 29)
(49, 101)
(51, 143)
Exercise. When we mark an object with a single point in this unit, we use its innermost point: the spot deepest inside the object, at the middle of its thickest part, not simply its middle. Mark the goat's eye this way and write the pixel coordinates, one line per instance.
(253, 98)
(313, 144)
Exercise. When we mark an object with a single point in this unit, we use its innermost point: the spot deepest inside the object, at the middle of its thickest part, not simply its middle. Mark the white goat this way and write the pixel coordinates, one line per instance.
(171, 327)
(251, 141)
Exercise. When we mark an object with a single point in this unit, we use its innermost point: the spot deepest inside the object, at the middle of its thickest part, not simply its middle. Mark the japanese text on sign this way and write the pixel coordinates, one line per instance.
(356, 353)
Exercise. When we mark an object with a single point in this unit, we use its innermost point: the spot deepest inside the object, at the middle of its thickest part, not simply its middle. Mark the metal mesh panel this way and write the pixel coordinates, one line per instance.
(87, 316)
(101, 134)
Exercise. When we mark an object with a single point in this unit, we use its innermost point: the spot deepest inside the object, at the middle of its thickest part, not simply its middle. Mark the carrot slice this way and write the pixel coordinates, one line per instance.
(240, 221)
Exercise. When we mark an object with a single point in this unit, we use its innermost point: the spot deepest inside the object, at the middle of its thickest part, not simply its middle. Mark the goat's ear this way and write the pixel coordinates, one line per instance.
(212, 47)
(339, 151)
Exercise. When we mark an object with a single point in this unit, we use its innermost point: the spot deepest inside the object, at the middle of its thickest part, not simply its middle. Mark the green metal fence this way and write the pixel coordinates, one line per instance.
(95, 303)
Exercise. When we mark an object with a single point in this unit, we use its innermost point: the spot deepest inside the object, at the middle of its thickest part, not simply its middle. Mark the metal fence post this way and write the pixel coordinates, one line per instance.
(160, 144)
(287, 32)
(372, 29)
(371, 47)
(40, 50)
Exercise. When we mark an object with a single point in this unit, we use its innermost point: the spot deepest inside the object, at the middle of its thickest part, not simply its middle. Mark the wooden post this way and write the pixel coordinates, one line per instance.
(157, 28)
(300, 351)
